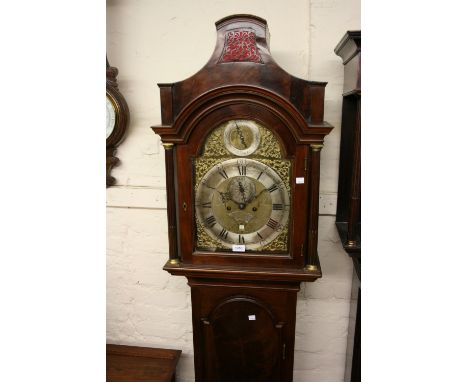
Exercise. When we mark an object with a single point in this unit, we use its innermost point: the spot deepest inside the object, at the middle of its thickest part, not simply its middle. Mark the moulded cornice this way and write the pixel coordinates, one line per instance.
(191, 114)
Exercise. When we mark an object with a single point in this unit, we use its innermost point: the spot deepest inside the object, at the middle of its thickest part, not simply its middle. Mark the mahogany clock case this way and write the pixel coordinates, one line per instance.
(243, 304)
(243, 88)
(122, 117)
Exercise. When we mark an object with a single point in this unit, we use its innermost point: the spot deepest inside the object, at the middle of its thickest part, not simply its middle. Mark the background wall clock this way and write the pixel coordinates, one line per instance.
(117, 118)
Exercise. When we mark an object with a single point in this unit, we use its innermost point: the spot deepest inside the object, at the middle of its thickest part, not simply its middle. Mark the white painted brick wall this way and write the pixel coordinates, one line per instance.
(167, 41)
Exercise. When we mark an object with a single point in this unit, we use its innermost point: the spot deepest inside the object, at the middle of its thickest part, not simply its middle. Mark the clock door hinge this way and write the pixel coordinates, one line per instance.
(284, 351)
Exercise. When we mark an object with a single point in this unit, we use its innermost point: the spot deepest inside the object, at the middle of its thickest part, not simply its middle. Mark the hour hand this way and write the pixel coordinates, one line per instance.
(225, 196)
(241, 136)
(261, 192)
(242, 191)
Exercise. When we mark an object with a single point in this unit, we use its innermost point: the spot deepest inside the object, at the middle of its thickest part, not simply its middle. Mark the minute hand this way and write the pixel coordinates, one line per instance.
(261, 192)
(225, 196)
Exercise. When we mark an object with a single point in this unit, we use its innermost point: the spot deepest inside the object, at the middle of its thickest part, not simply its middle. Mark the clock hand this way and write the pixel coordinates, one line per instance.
(261, 192)
(226, 197)
(241, 136)
(242, 190)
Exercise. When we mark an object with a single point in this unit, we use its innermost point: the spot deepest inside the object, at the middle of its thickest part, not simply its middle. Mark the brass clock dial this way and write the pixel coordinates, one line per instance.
(241, 137)
(242, 201)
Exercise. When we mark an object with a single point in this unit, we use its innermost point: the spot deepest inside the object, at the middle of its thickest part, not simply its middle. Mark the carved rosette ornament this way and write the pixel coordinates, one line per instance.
(240, 45)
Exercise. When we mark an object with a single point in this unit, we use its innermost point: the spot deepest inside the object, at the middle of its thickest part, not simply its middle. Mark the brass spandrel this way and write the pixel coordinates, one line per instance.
(204, 241)
(280, 243)
(269, 147)
(214, 146)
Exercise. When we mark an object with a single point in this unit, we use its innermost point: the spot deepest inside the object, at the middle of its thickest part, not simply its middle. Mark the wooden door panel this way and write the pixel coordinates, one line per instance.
(245, 342)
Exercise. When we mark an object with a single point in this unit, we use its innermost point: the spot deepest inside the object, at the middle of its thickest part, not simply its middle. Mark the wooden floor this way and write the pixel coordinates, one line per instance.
(132, 363)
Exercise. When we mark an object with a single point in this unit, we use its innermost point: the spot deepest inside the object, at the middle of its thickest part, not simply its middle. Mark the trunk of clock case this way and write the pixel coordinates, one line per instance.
(245, 331)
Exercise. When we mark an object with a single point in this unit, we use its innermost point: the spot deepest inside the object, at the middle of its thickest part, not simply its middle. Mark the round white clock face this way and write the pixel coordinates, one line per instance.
(110, 117)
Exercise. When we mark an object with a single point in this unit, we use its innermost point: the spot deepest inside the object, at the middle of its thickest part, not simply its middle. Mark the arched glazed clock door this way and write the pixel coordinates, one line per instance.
(242, 142)
(239, 201)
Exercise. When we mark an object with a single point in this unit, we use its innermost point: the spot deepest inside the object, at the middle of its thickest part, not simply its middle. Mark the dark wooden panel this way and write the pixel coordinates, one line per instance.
(348, 119)
(140, 364)
(353, 351)
(348, 213)
(166, 100)
(234, 348)
(245, 341)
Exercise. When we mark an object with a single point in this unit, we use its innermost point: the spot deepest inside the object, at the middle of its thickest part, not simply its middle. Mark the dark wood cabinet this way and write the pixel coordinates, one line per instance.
(242, 142)
(348, 213)
(140, 364)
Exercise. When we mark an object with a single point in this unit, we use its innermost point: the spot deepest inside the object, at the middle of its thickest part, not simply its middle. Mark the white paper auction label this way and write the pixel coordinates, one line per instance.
(300, 180)
(252, 317)
(238, 248)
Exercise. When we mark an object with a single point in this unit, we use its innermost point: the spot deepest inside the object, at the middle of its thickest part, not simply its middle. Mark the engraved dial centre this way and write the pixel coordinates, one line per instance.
(240, 210)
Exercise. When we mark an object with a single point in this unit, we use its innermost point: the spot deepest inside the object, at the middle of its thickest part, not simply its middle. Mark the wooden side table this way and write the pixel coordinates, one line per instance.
(142, 364)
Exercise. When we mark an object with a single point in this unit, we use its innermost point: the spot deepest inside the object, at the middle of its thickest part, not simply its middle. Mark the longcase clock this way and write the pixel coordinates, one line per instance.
(348, 211)
(242, 142)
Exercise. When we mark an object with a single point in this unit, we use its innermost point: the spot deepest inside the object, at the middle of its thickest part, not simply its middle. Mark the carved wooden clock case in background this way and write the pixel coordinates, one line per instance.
(242, 142)
(348, 211)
